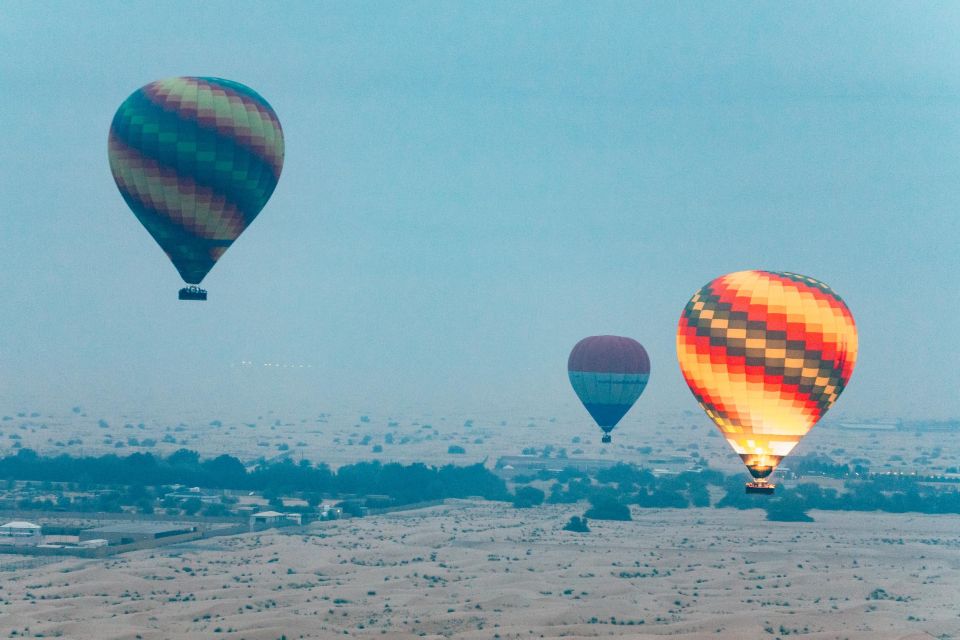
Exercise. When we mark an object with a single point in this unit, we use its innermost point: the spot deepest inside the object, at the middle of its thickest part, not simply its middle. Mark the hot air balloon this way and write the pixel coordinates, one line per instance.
(196, 159)
(608, 373)
(766, 354)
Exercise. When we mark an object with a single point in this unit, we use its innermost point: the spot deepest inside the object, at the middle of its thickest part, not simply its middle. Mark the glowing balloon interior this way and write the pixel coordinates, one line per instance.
(196, 159)
(766, 355)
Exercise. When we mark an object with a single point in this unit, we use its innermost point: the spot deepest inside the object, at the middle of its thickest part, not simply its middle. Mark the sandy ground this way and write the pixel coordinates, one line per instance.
(485, 570)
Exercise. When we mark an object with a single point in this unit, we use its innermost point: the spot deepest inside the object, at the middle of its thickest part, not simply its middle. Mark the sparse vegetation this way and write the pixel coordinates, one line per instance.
(608, 509)
(526, 497)
(577, 525)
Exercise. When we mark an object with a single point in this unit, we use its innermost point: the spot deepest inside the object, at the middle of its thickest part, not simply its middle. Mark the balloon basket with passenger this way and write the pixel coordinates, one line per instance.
(760, 486)
(193, 293)
(760, 467)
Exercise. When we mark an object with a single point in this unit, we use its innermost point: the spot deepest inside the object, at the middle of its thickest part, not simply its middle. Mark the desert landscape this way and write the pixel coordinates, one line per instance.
(476, 569)
(483, 569)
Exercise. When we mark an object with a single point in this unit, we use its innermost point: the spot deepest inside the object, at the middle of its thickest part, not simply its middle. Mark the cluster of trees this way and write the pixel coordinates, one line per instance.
(611, 491)
(821, 465)
(526, 497)
(402, 484)
(893, 494)
(628, 484)
(607, 509)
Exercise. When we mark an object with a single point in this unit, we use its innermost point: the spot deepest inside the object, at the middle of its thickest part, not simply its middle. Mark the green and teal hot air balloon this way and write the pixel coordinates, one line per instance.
(608, 374)
(196, 159)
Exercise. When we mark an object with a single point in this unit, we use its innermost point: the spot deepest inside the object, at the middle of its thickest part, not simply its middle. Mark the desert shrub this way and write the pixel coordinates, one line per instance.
(788, 510)
(577, 525)
(605, 509)
(526, 497)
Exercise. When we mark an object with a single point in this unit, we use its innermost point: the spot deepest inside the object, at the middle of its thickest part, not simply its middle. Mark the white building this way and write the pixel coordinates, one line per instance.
(94, 543)
(20, 534)
(270, 519)
(205, 497)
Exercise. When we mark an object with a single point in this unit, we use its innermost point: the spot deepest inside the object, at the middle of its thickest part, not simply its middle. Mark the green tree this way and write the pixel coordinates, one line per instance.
(527, 496)
(577, 525)
(606, 509)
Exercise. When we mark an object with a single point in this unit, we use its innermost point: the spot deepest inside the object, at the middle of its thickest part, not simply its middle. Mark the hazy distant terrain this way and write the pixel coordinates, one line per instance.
(342, 438)
(484, 570)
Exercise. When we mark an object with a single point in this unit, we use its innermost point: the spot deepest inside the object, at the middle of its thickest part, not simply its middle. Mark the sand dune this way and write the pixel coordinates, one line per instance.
(484, 570)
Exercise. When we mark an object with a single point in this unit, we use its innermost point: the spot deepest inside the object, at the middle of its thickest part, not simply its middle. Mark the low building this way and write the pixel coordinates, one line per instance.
(20, 534)
(93, 544)
(128, 532)
(183, 494)
(868, 426)
(330, 512)
(516, 465)
(660, 472)
(270, 519)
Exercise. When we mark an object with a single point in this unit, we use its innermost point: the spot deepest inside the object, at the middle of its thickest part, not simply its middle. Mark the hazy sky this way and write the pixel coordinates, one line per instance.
(470, 188)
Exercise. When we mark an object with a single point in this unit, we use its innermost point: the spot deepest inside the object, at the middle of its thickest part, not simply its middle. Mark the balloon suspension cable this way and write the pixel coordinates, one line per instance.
(193, 293)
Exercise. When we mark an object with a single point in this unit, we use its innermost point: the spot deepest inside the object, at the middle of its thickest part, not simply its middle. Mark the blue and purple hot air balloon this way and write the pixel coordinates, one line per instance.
(608, 373)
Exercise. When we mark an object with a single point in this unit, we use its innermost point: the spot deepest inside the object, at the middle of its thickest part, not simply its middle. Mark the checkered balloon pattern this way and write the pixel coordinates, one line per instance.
(766, 354)
(196, 159)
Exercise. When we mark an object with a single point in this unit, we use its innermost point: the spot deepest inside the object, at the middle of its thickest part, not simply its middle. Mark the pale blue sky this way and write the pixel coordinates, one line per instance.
(471, 187)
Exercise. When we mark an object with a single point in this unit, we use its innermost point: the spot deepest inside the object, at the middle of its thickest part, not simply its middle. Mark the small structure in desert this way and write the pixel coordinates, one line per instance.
(20, 533)
(129, 532)
(183, 494)
(330, 512)
(270, 519)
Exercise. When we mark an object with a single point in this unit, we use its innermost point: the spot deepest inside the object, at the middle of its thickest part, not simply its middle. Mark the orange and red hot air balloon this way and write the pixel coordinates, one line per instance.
(766, 354)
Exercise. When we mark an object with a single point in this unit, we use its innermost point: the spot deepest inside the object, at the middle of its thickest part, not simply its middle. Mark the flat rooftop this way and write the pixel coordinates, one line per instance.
(140, 527)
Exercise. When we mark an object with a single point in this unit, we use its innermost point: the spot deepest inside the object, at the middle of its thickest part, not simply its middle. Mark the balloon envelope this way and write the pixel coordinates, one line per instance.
(608, 373)
(196, 159)
(766, 354)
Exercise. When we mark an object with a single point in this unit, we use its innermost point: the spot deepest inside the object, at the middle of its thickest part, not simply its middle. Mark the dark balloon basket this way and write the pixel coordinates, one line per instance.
(760, 487)
(606, 439)
(193, 293)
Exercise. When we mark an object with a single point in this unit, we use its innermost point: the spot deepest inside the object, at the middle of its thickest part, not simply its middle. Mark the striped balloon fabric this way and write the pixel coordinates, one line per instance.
(608, 374)
(196, 159)
(766, 354)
